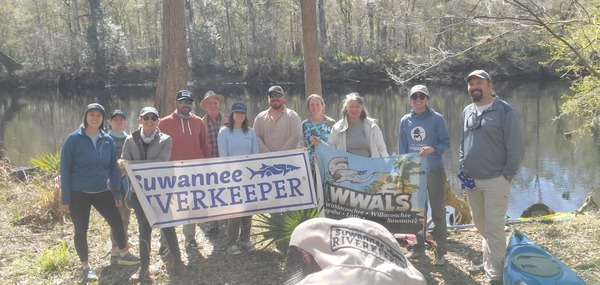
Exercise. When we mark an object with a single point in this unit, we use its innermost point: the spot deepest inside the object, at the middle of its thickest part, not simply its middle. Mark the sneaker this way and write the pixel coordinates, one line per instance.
(247, 246)
(164, 251)
(141, 275)
(192, 244)
(114, 251)
(89, 274)
(179, 268)
(413, 254)
(233, 250)
(212, 232)
(128, 259)
(476, 269)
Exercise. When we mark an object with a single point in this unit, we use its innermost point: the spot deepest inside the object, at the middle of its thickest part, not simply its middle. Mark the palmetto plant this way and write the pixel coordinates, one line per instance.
(278, 228)
(47, 163)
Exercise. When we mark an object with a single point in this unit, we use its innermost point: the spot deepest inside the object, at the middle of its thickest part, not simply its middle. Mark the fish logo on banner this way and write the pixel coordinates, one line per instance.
(191, 191)
(276, 169)
(390, 191)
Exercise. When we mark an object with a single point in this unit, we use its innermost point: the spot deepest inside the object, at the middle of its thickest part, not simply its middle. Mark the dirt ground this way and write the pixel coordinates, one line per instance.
(576, 242)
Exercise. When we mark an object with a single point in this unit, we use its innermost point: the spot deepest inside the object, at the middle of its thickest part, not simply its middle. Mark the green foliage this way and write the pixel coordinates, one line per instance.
(584, 103)
(278, 228)
(578, 48)
(43, 193)
(55, 259)
(47, 163)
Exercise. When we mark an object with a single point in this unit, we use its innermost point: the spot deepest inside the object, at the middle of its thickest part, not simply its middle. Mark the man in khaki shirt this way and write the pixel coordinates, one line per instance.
(277, 128)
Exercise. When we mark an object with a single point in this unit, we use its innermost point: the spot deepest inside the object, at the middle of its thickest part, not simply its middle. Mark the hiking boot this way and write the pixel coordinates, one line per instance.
(192, 244)
(414, 254)
(476, 269)
(128, 259)
(179, 268)
(233, 250)
(164, 251)
(141, 275)
(89, 274)
(247, 246)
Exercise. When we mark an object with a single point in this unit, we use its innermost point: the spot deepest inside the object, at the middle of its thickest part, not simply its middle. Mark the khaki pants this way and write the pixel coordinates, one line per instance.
(489, 202)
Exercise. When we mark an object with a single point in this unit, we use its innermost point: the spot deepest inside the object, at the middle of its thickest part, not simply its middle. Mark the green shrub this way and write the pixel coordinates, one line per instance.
(47, 163)
(278, 228)
(54, 259)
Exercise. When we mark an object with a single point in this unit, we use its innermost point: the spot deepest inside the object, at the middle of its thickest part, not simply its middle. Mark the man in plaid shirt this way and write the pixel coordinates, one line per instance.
(214, 120)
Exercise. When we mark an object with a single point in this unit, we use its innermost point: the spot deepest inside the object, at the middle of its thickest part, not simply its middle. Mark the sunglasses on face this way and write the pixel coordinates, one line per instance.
(148, 117)
(418, 95)
(185, 101)
(275, 95)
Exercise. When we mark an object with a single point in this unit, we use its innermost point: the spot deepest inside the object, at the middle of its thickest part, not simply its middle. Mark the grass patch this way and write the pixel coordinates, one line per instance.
(55, 259)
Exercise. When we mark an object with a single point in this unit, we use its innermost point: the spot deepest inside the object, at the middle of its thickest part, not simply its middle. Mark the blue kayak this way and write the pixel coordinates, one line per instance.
(527, 263)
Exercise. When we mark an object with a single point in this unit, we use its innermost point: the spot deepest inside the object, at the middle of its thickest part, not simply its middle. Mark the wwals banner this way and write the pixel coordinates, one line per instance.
(191, 191)
(391, 191)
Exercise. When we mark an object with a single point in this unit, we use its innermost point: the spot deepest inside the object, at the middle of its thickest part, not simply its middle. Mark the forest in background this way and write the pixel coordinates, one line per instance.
(261, 40)
(94, 43)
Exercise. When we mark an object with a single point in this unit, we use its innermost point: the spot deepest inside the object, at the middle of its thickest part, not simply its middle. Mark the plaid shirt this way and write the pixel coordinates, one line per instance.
(213, 133)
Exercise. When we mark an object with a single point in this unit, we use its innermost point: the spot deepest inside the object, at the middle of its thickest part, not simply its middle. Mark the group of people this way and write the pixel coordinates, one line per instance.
(491, 150)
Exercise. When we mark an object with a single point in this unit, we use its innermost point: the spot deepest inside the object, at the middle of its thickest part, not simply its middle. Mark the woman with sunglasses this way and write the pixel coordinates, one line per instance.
(88, 160)
(424, 131)
(356, 132)
(149, 144)
(236, 138)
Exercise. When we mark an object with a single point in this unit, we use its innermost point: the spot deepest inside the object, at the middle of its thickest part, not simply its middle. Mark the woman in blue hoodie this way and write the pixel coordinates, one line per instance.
(88, 160)
(424, 131)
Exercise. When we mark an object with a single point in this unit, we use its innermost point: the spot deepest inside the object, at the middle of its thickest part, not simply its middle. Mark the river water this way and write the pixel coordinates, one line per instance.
(556, 171)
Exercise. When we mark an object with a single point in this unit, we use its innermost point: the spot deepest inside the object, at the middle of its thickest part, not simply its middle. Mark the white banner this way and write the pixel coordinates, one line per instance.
(192, 191)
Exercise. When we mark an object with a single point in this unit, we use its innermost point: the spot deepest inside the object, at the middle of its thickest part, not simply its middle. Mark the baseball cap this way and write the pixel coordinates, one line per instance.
(276, 89)
(418, 88)
(118, 112)
(239, 106)
(147, 110)
(481, 74)
(184, 94)
(97, 107)
(348, 251)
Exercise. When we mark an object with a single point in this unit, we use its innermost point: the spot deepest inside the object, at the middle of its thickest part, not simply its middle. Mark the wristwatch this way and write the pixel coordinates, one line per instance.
(508, 177)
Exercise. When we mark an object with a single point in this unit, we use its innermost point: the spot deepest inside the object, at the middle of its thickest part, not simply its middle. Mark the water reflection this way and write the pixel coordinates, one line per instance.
(557, 172)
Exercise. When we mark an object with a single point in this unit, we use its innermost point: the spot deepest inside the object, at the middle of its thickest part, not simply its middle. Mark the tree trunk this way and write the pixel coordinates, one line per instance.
(230, 43)
(94, 37)
(323, 29)
(75, 46)
(312, 72)
(173, 75)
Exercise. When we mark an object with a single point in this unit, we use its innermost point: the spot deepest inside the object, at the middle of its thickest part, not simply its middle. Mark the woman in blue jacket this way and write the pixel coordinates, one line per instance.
(88, 160)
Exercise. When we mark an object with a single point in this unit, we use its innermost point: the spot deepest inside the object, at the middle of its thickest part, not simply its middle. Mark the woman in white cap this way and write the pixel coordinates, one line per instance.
(424, 131)
(149, 144)
(238, 139)
(88, 160)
